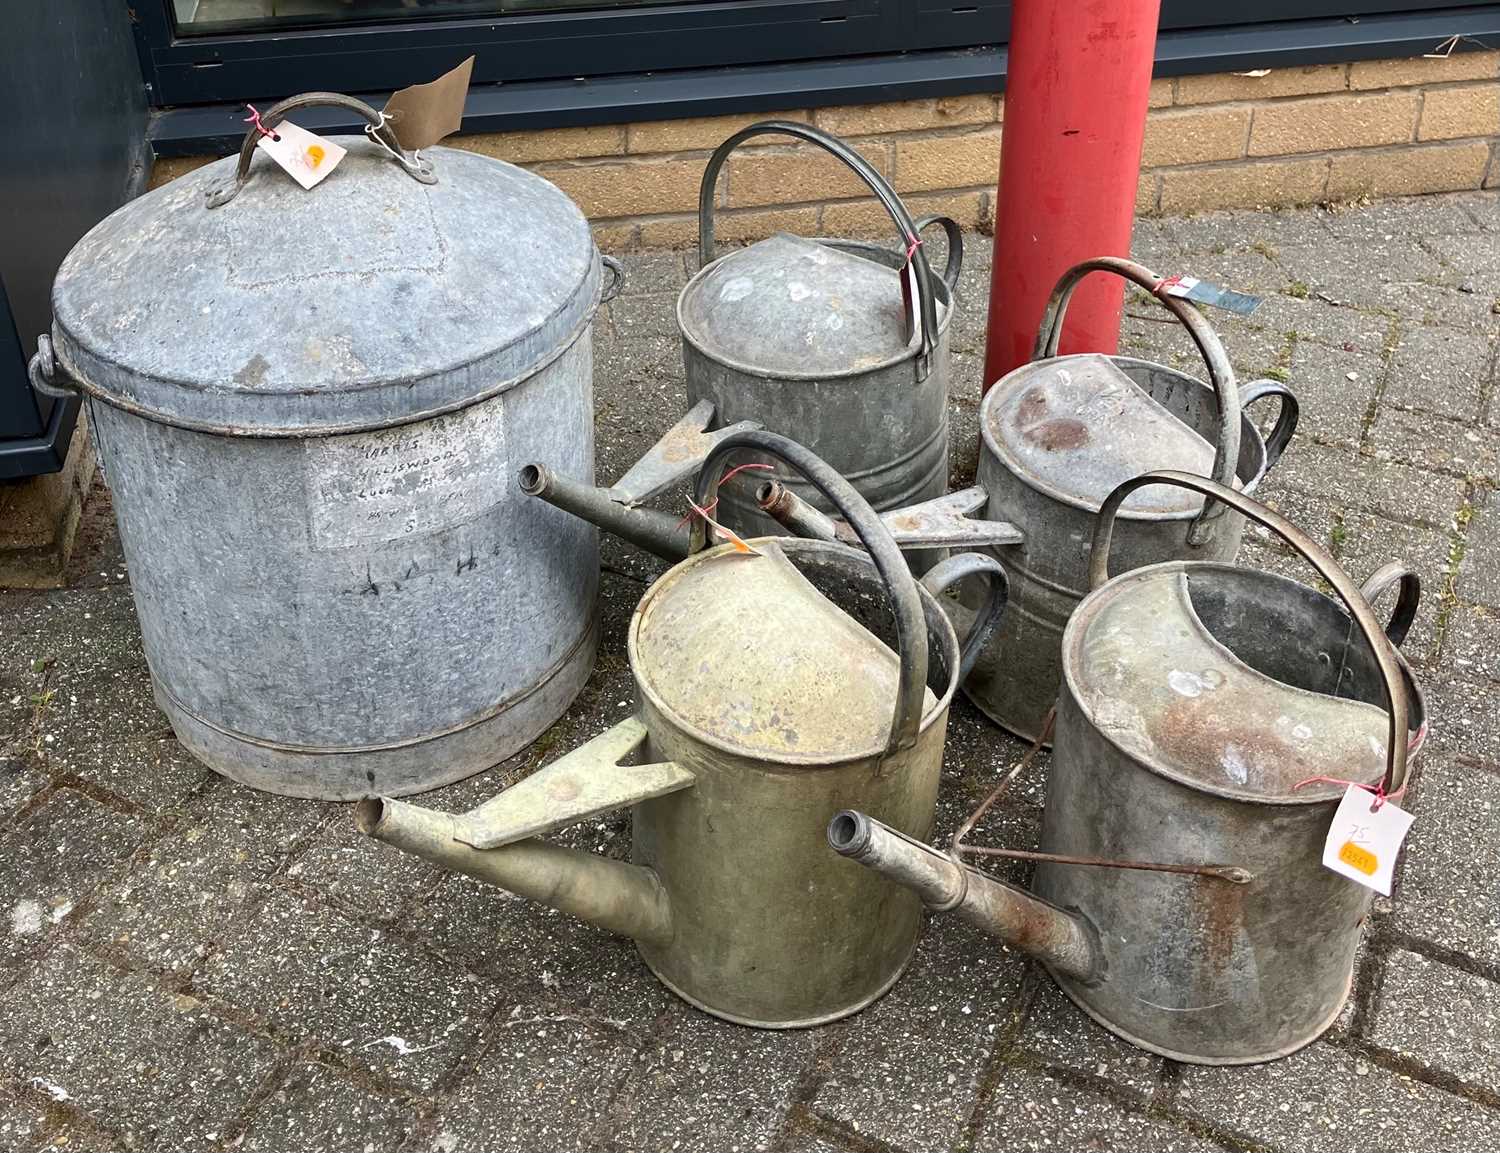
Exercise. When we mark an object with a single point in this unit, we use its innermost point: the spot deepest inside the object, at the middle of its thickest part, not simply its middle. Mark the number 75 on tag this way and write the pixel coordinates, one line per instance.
(1363, 841)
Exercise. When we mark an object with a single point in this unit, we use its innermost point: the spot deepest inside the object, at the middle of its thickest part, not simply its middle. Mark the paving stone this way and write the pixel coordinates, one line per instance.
(1402, 217)
(1443, 1019)
(1459, 302)
(1280, 230)
(159, 1069)
(1323, 1098)
(1430, 442)
(1032, 1109)
(1351, 480)
(1484, 207)
(356, 872)
(655, 272)
(310, 975)
(545, 1082)
(1374, 273)
(1452, 854)
(908, 1068)
(1242, 268)
(1471, 649)
(1061, 1035)
(315, 1110)
(20, 780)
(1479, 571)
(699, 1085)
(168, 909)
(51, 861)
(1334, 389)
(1465, 254)
(636, 316)
(154, 772)
(1366, 543)
(35, 1126)
(1318, 322)
(1440, 370)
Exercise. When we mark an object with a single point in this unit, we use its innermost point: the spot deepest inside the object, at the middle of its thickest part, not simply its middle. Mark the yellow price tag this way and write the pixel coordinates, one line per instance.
(1359, 858)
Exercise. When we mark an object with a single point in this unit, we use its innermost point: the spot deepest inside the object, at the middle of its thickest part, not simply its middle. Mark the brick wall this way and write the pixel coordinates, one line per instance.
(1293, 136)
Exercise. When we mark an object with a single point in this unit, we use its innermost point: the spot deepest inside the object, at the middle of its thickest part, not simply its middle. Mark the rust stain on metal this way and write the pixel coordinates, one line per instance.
(1060, 433)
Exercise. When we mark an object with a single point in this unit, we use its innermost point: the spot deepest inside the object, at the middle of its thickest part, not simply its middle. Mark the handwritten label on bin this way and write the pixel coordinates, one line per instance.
(1364, 840)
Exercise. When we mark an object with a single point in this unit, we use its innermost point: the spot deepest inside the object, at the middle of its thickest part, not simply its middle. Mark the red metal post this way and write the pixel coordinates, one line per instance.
(1077, 89)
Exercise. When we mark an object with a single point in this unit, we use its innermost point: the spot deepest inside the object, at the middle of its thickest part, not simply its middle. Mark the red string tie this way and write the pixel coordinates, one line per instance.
(254, 119)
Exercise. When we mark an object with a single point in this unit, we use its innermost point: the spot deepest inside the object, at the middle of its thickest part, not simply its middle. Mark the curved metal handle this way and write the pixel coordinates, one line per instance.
(42, 368)
(1286, 418)
(378, 129)
(1220, 373)
(926, 305)
(1407, 599)
(900, 585)
(956, 568)
(1328, 568)
(955, 234)
(617, 281)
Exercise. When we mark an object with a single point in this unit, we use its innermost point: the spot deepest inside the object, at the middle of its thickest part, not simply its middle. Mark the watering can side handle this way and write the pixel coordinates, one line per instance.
(1220, 371)
(956, 568)
(901, 586)
(955, 235)
(1408, 597)
(1286, 418)
(378, 129)
(1315, 555)
(926, 304)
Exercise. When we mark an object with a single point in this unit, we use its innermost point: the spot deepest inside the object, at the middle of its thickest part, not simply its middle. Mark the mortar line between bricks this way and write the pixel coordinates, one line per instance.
(66, 1113)
(827, 1050)
(1405, 1066)
(995, 1063)
(1445, 955)
(805, 1121)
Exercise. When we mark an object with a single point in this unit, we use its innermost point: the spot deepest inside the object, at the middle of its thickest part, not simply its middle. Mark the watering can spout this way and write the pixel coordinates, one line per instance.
(618, 897)
(1065, 942)
(661, 533)
(497, 842)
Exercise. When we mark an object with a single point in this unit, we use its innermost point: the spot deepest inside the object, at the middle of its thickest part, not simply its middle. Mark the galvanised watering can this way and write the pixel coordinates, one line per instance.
(1209, 721)
(816, 339)
(768, 696)
(1057, 435)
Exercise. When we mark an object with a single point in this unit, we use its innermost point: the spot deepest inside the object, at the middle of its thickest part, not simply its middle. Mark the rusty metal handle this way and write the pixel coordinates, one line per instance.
(900, 585)
(955, 235)
(1286, 418)
(1328, 568)
(956, 568)
(378, 129)
(1408, 597)
(1220, 372)
(41, 370)
(617, 278)
(926, 304)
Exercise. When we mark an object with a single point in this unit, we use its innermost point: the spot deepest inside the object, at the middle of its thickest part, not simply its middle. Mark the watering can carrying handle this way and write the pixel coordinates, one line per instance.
(955, 235)
(900, 585)
(926, 304)
(379, 130)
(1286, 418)
(1408, 597)
(1220, 372)
(1328, 568)
(949, 572)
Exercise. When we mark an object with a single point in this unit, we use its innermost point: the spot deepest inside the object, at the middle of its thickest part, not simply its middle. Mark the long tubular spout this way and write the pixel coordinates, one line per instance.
(1063, 941)
(619, 897)
(657, 532)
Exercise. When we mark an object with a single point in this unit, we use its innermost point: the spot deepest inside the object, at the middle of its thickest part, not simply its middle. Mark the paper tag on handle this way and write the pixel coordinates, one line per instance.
(1363, 841)
(910, 321)
(307, 156)
(1213, 295)
(423, 114)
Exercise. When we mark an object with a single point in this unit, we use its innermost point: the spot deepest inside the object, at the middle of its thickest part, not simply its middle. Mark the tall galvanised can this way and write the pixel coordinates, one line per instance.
(816, 339)
(308, 404)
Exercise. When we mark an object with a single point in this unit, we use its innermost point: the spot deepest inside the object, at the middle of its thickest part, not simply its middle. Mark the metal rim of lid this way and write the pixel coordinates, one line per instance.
(867, 249)
(1001, 452)
(1082, 618)
(790, 545)
(84, 366)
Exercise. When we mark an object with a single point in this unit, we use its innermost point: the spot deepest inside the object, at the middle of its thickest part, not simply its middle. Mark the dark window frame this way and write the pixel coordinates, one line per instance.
(706, 57)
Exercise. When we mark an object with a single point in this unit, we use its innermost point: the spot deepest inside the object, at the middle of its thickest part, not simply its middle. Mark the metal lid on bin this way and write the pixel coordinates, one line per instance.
(1077, 426)
(370, 299)
(1150, 675)
(744, 651)
(796, 308)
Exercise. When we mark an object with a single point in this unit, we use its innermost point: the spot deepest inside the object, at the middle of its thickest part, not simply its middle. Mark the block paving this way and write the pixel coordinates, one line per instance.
(187, 964)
